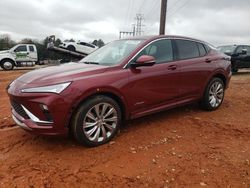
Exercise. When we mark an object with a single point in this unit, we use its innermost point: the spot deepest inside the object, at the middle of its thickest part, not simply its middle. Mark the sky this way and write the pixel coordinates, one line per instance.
(215, 21)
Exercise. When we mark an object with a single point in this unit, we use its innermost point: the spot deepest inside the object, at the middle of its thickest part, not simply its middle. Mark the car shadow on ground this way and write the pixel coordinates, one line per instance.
(244, 72)
(163, 116)
(129, 126)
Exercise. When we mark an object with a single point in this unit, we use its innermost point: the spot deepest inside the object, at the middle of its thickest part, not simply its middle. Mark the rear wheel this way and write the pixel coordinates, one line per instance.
(7, 65)
(96, 121)
(71, 48)
(214, 95)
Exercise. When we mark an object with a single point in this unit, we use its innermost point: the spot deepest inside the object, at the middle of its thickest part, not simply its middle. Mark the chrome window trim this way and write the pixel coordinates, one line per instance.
(170, 38)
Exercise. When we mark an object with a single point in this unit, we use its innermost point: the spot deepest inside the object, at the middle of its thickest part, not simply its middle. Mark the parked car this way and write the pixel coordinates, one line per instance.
(20, 55)
(81, 47)
(240, 55)
(125, 79)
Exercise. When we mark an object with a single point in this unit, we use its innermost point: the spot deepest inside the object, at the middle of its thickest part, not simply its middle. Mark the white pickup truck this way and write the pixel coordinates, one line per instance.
(21, 55)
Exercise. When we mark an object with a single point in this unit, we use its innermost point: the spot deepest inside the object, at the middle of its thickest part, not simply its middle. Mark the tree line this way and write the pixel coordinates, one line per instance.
(6, 43)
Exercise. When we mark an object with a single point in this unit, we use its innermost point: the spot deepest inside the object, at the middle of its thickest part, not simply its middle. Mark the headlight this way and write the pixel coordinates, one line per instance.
(58, 88)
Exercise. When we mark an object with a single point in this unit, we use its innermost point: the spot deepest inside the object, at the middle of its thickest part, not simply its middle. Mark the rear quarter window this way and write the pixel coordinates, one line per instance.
(31, 48)
(186, 49)
(202, 49)
(248, 49)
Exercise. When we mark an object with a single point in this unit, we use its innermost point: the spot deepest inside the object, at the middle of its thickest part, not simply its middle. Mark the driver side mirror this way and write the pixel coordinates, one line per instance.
(244, 51)
(144, 60)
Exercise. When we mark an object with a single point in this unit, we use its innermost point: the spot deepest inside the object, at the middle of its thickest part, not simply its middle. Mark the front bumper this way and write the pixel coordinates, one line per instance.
(28, 113)
(38, 127)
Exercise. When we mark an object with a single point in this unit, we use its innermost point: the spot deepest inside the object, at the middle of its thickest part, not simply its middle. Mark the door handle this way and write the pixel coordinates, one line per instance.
(172, 67)
(208, 60)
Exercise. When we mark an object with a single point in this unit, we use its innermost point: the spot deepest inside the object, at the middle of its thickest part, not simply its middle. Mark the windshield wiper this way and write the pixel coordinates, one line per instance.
(90, 62)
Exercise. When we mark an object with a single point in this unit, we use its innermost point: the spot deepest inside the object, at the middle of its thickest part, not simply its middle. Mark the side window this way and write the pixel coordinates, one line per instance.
(187, 49)
(207, 47)
(90, 45)
(22, 48)
(202, 49)
(161, 50)
(248, 49)
(31, 48)
(83, 43)
(239, 49)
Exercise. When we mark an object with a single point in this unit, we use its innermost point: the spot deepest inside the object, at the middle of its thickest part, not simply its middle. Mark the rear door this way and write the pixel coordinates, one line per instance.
(246, 57)
(32, 53)
(83, 48)
(194, 66)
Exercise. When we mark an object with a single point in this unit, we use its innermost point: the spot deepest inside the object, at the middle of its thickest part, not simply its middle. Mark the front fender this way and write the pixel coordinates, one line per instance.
(7, 57)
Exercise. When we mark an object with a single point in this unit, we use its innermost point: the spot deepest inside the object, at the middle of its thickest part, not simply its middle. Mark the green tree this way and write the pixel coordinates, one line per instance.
(98, 43)
(6, 42)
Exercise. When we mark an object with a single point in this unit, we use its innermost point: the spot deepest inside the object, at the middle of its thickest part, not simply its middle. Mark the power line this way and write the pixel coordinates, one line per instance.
(127, 14)
(132, 10)
(154, 7)
(142, 4)
(173, 5)
(183, 5)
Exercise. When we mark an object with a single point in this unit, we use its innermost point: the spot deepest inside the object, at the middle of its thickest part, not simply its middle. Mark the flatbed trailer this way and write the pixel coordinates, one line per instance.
(51, 47)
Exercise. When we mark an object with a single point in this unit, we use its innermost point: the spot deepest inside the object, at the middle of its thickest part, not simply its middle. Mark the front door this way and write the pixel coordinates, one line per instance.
(152, 87)
(21, 53)
(246, 57)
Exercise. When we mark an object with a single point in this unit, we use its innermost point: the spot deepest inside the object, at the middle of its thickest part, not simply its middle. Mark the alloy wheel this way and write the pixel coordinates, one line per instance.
(216, 94)
(100, 122)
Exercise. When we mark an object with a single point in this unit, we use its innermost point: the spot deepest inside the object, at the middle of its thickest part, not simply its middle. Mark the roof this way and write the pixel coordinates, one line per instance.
(153, 37)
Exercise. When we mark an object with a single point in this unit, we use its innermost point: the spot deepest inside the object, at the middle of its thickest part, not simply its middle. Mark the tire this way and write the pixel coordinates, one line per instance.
(234, 69)
(7, 65)
(92, 130)
(213, 95)
(71, 48)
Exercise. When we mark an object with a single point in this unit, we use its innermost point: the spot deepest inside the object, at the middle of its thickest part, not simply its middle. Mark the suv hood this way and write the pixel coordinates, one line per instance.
(228, 53)
(4, 51)
(59, 74)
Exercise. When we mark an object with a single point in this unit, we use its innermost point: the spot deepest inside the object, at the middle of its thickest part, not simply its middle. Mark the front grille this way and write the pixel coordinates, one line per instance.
(19, 109)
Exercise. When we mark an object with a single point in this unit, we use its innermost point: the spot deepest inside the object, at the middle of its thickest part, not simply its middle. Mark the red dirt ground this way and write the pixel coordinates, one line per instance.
(184, 147)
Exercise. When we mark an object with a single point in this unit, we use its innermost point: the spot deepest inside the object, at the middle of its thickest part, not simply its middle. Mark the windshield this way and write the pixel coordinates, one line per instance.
(113, 53)
(227, 49)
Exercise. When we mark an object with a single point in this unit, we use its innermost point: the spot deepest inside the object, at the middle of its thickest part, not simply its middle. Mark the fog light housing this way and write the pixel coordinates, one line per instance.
(44, 107)
(45, 110)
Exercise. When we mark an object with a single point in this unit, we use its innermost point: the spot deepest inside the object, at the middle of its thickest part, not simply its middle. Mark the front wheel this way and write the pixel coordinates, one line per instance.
(214, 95)
(7, 65)
(96, 121)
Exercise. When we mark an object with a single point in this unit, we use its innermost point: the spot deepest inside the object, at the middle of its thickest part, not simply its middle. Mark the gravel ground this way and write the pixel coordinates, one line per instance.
(183, 147)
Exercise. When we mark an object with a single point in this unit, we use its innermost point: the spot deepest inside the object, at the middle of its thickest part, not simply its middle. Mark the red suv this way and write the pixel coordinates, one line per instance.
(125, 79)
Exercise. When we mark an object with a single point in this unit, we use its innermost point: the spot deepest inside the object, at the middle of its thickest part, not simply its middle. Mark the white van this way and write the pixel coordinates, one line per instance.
(20, 55)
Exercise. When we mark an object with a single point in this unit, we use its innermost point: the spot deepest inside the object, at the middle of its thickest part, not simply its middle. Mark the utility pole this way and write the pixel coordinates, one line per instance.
(163, 16)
